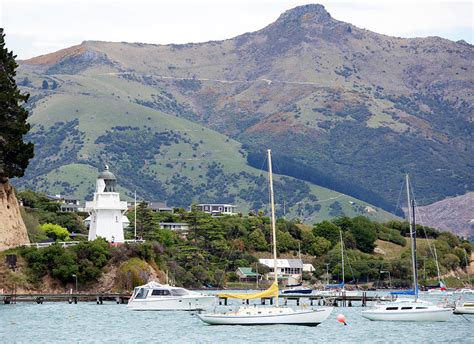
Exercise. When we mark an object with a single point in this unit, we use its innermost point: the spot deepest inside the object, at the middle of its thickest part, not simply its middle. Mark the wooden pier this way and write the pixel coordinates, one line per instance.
(12, 298)
(320, 300)
(122, 298)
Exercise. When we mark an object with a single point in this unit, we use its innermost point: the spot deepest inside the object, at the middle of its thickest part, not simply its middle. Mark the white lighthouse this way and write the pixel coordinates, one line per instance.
(106, 210)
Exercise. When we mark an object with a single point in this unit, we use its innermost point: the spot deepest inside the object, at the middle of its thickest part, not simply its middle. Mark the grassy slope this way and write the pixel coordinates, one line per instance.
(108, 103)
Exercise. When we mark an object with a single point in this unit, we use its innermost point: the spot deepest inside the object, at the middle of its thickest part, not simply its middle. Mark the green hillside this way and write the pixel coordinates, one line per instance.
(341, 107)
(162, 156)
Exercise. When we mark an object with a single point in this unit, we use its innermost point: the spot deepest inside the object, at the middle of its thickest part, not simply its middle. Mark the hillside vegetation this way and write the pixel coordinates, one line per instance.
(215, 247)
(341, 107)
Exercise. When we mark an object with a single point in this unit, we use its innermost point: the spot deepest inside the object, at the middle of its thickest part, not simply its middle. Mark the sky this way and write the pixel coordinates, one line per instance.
(35, 27)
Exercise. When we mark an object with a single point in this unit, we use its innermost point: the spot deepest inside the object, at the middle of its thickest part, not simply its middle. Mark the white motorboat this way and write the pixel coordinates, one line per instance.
(154, 296)
(409, 310)
(464, 307)
(258, 315)
(439, 292)
(464, 291)
(267, 315)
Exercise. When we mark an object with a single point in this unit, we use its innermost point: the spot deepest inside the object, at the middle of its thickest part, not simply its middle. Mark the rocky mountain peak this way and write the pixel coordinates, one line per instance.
(312, 12)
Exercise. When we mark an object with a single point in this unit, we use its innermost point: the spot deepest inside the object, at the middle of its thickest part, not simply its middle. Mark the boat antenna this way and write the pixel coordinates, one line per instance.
(272, 203)
(411, 220)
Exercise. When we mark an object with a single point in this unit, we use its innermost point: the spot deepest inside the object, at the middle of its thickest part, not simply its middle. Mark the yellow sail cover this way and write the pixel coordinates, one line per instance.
(270, 292)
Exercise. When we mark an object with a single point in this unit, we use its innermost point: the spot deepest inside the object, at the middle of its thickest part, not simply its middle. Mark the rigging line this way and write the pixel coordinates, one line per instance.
(398, 205)
(348, 261)
(276, 169)
(432, 248)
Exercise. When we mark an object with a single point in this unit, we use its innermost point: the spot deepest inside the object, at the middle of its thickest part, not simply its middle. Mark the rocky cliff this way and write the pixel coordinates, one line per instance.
(12, 229)
(454, 214)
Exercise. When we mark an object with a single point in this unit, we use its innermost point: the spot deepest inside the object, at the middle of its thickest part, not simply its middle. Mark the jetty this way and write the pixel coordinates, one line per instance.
(12, 298)
(341, 300)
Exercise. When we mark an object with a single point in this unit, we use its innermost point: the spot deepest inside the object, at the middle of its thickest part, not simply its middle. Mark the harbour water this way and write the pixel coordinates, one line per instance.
(112, 323)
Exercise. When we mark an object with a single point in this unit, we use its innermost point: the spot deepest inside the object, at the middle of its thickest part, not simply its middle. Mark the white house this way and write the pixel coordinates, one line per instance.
(217, 208)
(106, 211)
(288, 266)
(175, 226)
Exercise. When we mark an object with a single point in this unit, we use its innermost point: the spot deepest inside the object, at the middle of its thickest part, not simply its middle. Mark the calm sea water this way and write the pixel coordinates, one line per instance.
(112, 323)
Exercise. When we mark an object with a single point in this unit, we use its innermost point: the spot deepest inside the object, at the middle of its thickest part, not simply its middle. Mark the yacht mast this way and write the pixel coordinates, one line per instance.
(135, 217)
(272, 202)
(411, 217)
(342, 256)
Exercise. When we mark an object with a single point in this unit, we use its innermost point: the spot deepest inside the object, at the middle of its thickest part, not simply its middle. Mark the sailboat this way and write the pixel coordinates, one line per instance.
(440, 289)
(267, 315)
(298, 288)
(408, 309)
(338, 289)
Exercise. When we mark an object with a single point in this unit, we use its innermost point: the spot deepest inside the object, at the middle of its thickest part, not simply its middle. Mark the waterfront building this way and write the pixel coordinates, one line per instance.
(160, 207)
(175, 226)
(287, 267)
(106, 211)
(247, 274)
(217, 208)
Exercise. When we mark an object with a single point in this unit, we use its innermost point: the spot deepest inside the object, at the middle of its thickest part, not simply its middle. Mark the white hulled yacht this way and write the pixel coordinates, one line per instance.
(409, 309)
(154, 296)
(271, 315)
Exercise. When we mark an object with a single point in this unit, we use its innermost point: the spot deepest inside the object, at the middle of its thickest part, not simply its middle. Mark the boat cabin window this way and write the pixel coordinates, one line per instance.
(178, 292)
(407, 308)
(141, 293)
(391, 308)
(160, 292)
(421, 307)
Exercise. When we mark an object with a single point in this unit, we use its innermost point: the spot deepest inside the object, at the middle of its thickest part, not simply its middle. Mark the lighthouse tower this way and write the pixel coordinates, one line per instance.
(106, 210)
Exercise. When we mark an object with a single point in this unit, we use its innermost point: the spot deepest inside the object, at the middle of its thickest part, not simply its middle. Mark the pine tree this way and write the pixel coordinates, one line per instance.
(14, 153)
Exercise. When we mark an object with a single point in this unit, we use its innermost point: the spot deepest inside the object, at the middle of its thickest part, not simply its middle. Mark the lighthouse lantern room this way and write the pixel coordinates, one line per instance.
(106, 210)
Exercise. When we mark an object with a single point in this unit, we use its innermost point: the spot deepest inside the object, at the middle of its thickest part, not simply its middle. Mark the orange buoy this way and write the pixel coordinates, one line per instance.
(341, 318)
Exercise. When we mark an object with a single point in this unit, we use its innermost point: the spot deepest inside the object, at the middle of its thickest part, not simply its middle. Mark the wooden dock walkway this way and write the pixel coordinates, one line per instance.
(12, 298)
(122, 298)
(321, 300)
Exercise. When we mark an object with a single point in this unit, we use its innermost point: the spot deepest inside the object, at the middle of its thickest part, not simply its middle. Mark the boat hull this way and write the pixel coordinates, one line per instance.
(298, 291)
(464, 310)
(173, 303)
(303, 318)
(441, 314)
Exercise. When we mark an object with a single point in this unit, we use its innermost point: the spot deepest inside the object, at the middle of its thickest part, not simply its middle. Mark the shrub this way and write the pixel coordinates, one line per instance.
(55, 232)
(132, 273)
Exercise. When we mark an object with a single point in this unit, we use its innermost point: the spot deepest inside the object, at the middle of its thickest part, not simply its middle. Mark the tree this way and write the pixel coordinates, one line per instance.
(320, 246)
(257, 240)
(364, 233)
(451, 261)
(55, 232)
(328, 231)
(450, 238)
(146, 223)
(14, 153)
(285, 242)
(44, 85)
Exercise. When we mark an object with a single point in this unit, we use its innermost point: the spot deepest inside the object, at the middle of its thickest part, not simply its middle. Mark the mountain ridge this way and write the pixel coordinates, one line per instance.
(342, 102)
